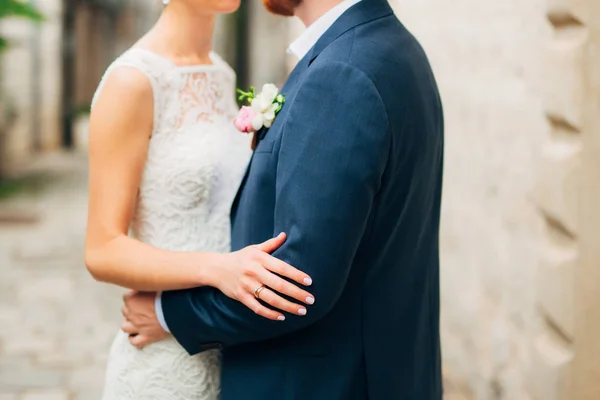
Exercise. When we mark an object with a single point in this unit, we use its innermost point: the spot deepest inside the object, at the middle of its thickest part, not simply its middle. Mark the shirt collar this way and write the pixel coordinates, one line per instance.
(301, 46)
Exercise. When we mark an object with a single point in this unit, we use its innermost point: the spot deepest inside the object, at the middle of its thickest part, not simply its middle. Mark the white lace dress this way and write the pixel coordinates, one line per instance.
(195, 163)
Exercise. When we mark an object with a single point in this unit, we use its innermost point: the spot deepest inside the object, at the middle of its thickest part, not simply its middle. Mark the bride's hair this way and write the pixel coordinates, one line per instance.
(282, 7)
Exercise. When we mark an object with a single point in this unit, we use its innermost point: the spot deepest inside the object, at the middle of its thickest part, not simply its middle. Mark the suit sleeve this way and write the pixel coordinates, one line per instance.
(334, 149)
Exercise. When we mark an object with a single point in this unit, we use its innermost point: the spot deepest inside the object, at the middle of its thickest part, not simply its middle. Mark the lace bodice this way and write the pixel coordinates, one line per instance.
(196, 160)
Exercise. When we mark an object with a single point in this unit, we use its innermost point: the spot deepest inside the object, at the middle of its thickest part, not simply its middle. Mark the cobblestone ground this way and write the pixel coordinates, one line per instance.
(56, 323)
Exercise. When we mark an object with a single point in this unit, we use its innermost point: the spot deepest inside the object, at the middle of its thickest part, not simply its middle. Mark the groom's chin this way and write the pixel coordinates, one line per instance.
(282, 7)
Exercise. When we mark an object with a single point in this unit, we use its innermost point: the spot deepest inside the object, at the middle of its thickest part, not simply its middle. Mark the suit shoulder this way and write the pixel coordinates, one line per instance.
(331, 73)
(384, 50)
(393, 59)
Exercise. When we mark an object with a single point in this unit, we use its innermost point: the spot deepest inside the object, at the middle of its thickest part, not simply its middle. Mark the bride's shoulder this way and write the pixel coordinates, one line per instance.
(128, 79)
(124, 82)
(133, 72)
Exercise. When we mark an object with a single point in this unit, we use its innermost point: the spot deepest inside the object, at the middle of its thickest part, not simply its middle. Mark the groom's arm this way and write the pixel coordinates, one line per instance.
(334, 149)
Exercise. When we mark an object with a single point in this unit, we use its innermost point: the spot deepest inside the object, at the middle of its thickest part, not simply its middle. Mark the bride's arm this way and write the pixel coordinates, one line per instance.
(120, 129)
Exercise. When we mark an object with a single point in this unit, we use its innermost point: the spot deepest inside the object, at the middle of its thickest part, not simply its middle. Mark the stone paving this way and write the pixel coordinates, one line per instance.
(56, 323)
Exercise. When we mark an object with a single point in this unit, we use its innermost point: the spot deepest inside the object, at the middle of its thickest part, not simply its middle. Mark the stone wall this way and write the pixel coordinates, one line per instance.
(568, 352)
(587, 294)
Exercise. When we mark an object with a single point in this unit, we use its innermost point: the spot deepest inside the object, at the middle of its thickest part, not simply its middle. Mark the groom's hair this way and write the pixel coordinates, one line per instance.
(282, 7)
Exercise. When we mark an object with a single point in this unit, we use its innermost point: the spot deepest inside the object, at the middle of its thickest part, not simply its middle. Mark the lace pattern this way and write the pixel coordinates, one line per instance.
(195, 163)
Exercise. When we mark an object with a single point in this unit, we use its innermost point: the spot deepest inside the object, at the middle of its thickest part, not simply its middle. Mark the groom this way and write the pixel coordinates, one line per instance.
(351, 170)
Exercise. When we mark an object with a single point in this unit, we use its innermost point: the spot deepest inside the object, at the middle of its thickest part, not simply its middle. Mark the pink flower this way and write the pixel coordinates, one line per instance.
(243, 122)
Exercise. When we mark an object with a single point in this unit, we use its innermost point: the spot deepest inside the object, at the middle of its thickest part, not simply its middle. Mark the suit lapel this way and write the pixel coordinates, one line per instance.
(289, 85)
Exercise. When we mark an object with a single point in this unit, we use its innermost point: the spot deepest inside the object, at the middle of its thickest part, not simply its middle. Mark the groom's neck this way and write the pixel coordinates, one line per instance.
(311, 10)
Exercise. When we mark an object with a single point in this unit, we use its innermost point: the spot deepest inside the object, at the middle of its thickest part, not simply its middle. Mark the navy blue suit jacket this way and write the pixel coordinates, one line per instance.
(351, 170)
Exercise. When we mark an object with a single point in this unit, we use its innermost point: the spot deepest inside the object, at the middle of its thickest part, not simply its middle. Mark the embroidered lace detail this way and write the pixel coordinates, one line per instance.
(200, 99)
(195, 163)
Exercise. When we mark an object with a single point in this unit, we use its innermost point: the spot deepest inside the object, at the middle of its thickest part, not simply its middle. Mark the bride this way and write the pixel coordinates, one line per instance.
(165, 165)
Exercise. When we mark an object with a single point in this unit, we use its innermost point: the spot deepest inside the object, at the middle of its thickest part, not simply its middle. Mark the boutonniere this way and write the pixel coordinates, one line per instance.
(262, 110)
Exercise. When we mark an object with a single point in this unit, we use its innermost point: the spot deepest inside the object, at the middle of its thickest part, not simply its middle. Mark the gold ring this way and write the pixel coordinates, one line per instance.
(258, 290)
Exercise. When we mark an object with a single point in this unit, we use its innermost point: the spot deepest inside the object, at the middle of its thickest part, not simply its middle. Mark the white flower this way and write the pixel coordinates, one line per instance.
(258, 121)
(264, 100)
(264, 106)
(268, 95)
(269, 115)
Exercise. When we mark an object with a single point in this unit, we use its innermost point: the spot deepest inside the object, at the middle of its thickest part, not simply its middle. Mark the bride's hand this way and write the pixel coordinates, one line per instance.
(244, 272)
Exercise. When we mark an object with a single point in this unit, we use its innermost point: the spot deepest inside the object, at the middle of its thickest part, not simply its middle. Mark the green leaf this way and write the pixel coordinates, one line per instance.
(280, 101)
(16, 8)
(246, 95)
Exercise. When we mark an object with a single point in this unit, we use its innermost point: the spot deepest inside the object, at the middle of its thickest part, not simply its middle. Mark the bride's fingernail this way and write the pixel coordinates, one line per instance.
(281, 318)
(307, 281)
(302, 311)
(310, 300)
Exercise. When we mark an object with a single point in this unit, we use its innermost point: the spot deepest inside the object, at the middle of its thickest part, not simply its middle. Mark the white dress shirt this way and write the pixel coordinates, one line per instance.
(299, 48)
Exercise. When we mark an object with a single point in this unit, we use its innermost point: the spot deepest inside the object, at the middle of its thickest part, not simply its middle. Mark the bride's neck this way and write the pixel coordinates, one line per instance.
(183, 34)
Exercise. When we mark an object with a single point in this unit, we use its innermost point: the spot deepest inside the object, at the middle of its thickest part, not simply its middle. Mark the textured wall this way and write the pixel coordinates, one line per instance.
(567, 347)
(587, 347)
(558, 199)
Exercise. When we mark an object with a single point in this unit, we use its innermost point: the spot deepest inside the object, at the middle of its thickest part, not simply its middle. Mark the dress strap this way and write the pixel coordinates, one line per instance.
(155, 70)
(221, 63)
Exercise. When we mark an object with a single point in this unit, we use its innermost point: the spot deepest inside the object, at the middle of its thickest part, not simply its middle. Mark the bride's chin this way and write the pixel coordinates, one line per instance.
(228, 6)
(211, 7)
